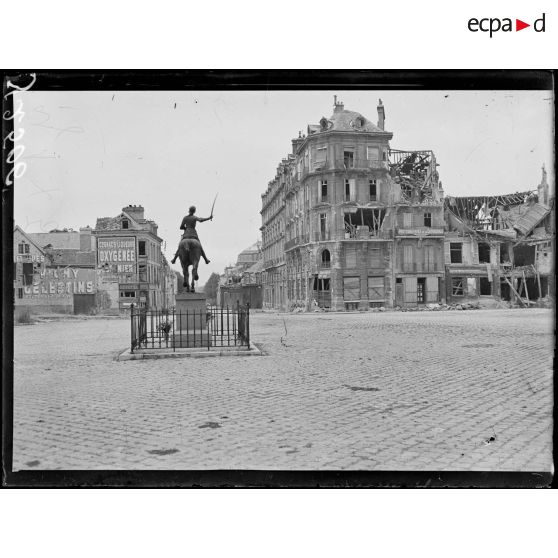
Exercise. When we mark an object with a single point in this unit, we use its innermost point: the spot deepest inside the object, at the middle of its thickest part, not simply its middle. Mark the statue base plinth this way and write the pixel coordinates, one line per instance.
(191, 338)
(190, 313)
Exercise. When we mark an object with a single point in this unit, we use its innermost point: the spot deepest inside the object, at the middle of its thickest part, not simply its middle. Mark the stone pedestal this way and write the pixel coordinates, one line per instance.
(192, 310)
(190, 322)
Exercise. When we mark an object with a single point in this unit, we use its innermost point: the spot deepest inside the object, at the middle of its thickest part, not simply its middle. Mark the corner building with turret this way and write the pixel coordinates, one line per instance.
(349, 223)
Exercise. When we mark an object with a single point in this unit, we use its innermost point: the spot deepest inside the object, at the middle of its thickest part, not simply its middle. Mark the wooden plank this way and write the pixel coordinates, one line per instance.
(525, 286)
(514, 291)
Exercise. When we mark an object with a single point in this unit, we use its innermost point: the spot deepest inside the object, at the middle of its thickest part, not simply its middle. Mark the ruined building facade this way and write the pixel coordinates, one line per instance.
(501, 246)
(348, 223)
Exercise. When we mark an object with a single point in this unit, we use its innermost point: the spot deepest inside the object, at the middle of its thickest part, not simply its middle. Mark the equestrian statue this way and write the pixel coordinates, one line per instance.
(190, 249)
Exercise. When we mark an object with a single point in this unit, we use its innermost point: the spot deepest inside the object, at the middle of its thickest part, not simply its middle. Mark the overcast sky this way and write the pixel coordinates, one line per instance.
(89, 154)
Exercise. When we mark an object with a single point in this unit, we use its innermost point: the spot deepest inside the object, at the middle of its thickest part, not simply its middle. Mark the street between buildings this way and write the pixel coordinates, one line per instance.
(453, 390)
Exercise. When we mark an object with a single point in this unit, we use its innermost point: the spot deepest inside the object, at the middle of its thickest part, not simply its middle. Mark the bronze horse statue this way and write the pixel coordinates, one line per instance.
(189, 252)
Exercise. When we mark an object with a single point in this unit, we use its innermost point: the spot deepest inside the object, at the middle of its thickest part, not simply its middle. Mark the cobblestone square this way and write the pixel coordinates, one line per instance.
(454, 390)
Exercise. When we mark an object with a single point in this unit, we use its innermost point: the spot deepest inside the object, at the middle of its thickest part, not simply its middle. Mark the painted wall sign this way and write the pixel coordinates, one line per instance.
(62, 282)
(30, 258)
(120, 251)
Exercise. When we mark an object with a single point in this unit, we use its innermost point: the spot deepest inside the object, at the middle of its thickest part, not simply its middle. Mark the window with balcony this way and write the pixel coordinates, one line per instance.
(407, 220)
(408, 257)
(428, 219)
(373, 190)
(456, 252)
(429, 252)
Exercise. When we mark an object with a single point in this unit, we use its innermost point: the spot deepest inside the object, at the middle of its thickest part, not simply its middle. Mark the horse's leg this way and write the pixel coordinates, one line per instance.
(185, 272)
(195, 276)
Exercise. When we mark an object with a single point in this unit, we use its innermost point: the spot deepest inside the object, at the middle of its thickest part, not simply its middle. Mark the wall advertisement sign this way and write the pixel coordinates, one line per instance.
(62, 282)
(116, 256)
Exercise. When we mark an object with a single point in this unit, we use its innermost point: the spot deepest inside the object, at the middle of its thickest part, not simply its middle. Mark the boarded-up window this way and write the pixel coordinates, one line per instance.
(375, 257)
(350, 256)
(410, 284)
(351, 288)
(376, 289)
(457, 287)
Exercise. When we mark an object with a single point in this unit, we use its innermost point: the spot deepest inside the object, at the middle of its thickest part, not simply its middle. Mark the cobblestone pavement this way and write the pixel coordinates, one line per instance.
(455, 390)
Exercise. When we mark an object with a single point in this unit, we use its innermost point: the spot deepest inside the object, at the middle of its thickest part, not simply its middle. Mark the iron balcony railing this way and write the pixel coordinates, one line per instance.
(300, 239)
(343, 164)
(213, 328)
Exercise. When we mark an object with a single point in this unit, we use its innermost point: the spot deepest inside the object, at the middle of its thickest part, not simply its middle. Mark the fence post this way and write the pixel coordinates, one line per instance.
(248, 324)
(173, 337)
(207, 324)
(132, 328)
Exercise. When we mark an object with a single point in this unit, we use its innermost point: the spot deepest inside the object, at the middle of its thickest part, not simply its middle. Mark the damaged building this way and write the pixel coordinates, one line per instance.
(501, 246)
(348, 223)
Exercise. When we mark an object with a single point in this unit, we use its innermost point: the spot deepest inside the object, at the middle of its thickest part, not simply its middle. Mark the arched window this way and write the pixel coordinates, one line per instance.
(326, 258)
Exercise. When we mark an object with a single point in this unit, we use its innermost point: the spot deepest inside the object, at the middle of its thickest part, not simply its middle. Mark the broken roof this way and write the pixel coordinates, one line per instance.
(535, 213)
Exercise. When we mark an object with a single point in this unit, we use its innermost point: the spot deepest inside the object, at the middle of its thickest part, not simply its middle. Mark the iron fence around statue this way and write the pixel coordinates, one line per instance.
(168, 329)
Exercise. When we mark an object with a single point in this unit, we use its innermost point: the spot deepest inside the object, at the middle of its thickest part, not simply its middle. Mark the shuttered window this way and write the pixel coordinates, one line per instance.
(372, 153)
(351, 288)
(407, 220)
(408, 255)
(429, 258)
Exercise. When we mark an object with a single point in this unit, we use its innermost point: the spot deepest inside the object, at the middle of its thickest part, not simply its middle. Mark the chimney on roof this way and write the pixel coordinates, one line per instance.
(337, 106)
(381, 114)
(85, 239)
(134, 211)
(543, 188)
